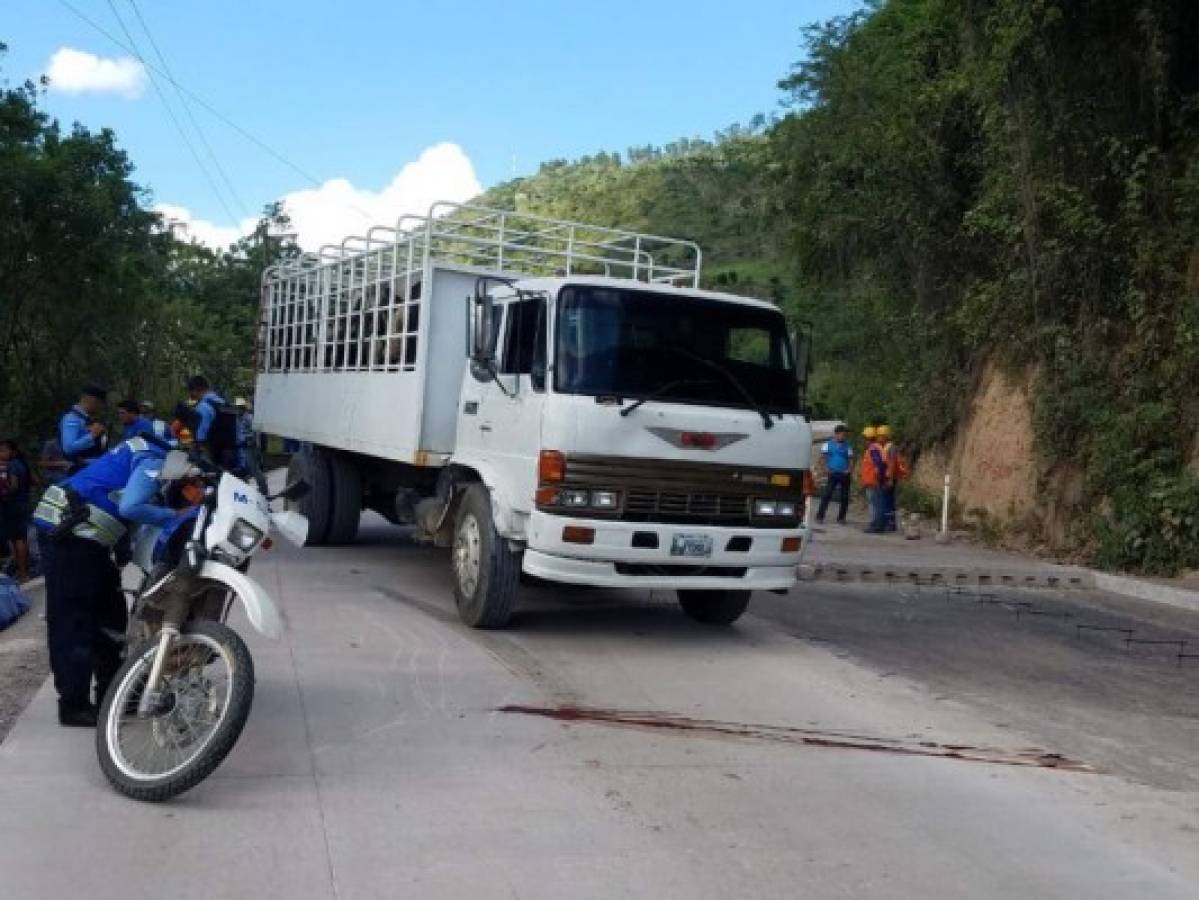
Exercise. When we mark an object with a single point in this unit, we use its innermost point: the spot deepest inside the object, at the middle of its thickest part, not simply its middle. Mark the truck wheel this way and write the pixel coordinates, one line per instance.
(486, 572)
(346, 493)
(718, 607)
(317, 505)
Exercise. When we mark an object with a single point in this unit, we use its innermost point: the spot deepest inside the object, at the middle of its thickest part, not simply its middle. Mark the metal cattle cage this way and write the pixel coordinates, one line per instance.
(356, 307)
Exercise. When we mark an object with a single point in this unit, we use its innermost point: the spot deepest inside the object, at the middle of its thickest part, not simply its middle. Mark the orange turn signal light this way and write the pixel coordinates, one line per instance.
(792, 544)
(547, 496)
(575, 534)
(551, 466)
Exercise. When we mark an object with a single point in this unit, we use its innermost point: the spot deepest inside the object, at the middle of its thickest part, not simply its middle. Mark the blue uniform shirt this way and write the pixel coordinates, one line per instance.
(73, 436)
(131, 469)
(206, 410)
(838, 455)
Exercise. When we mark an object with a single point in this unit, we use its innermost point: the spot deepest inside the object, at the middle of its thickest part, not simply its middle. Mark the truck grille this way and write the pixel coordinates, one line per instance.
(681, 492)
(673, 506)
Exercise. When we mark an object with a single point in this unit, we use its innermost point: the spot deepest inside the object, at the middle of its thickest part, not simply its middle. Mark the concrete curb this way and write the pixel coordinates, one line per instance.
(1148, 590)
(986, 577)
(947, 576)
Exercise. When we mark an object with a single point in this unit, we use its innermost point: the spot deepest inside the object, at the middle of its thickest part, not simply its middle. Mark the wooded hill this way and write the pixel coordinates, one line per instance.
(961, 184)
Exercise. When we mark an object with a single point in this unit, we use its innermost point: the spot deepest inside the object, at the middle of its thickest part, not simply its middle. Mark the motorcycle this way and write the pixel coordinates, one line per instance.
(178, 704)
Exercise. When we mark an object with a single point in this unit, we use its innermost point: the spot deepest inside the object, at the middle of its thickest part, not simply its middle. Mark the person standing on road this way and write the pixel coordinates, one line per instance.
(838, 461)
(85, 606)
(16, 479)
(896, 471)
(874, 479)
(83, 438)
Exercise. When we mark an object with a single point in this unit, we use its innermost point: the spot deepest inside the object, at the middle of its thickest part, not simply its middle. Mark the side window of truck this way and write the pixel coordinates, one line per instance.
(524, 340)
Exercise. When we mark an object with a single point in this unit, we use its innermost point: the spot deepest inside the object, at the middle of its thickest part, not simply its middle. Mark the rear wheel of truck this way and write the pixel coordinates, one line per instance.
(346, 494)
(312, 465)
(714, 607)
(486, 572)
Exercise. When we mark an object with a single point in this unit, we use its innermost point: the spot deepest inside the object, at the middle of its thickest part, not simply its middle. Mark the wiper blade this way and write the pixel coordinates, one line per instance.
(660, 390)
(732, 379)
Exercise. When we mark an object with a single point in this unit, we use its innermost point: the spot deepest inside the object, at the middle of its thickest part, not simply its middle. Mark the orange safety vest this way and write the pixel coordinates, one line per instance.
(897, 466)
(869, 474)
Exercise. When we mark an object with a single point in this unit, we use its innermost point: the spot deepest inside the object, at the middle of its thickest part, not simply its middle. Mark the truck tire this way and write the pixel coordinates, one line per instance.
(316, 506)
(714, 607)
(346, 491)
(486, 572)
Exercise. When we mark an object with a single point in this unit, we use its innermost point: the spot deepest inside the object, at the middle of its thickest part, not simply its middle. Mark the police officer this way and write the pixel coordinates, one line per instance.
(80, 435)
(208, 403)
(84, 602)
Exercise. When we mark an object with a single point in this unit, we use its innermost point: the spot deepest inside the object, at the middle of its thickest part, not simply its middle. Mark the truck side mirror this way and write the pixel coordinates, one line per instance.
(482, 314)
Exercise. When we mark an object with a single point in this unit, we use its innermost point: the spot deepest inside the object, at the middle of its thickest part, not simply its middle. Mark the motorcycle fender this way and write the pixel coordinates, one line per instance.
(260, 609)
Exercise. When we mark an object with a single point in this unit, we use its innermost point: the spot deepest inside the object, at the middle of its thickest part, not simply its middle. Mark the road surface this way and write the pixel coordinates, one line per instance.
(844, 741)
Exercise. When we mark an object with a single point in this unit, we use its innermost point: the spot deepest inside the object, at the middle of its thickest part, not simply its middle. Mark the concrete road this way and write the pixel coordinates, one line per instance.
(840, 742)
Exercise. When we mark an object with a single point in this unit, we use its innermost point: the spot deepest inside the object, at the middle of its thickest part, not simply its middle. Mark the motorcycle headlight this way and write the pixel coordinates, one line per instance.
(244, 536)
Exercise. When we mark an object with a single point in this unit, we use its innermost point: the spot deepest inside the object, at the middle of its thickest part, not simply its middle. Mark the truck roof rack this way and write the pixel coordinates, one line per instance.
(501, 241)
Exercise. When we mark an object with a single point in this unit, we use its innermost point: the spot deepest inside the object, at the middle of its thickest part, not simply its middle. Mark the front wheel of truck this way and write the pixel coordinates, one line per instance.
(718, 607)
(486, 571)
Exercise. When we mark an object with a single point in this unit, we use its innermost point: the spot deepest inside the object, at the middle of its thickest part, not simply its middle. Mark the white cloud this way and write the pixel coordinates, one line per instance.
(188, 228)
(338, 209)
(78, 72)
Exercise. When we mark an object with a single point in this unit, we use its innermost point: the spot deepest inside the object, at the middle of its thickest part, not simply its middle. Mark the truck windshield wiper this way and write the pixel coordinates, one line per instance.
(660, 390)
(731, 379)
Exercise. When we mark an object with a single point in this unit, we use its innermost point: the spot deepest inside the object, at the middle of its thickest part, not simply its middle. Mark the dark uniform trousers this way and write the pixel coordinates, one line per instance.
(83, 601)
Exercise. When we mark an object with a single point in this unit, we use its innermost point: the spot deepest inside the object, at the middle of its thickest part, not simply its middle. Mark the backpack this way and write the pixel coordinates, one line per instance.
(222, 435)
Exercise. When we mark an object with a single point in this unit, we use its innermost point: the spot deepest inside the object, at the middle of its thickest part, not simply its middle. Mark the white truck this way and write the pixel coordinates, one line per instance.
(544, 398)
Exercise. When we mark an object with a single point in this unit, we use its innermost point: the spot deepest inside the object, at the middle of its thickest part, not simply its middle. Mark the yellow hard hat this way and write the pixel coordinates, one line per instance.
(883, 431)
(869, 433)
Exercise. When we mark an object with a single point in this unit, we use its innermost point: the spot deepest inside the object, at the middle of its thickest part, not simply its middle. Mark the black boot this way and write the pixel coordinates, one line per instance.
(72, 715)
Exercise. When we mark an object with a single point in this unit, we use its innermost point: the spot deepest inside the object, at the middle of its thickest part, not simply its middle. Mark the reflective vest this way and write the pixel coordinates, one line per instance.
(897, 467)
(99, 486)
(870, 476)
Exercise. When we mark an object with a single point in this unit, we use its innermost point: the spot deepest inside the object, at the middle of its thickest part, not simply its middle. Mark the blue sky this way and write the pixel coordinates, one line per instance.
(352, 93)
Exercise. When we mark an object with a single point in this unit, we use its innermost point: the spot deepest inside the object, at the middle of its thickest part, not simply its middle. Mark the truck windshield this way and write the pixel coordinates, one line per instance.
(634, 343)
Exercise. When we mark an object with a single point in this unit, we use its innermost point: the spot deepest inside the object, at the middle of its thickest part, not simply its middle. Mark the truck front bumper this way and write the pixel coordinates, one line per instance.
(612, 560)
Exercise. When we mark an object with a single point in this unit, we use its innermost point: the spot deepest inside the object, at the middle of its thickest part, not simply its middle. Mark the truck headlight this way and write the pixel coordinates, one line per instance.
(604, 499)
(766, 508)
(244, 536)
(576, 498)
(786, 509)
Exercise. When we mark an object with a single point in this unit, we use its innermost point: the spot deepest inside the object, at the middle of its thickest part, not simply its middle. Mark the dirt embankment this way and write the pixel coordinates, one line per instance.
(992, 463)
(995, 470)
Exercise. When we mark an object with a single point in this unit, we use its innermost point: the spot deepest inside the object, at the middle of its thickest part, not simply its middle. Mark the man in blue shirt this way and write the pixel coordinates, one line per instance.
(838, 459)
(208, 404)
(80, 435)
(84, 601)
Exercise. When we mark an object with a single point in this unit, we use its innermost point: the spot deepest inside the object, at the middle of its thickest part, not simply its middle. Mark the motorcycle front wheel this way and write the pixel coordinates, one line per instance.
(204, 700)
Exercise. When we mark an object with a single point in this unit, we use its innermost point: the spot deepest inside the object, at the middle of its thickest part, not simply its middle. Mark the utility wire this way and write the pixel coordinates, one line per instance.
(175, 119)
(216, 163)
(208, 107)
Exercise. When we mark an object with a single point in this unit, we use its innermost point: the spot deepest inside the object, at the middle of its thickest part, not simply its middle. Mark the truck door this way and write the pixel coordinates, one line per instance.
(502, 415)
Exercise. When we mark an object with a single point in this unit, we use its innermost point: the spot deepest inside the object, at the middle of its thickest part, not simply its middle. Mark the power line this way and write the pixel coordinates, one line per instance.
(220, 170)
(175, 119)
(210, 109)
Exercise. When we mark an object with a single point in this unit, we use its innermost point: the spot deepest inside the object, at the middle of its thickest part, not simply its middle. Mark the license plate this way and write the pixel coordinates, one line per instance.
(692, 545)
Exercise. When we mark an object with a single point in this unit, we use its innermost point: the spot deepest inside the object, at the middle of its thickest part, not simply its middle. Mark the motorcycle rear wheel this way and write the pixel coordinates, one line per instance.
(206, 693)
